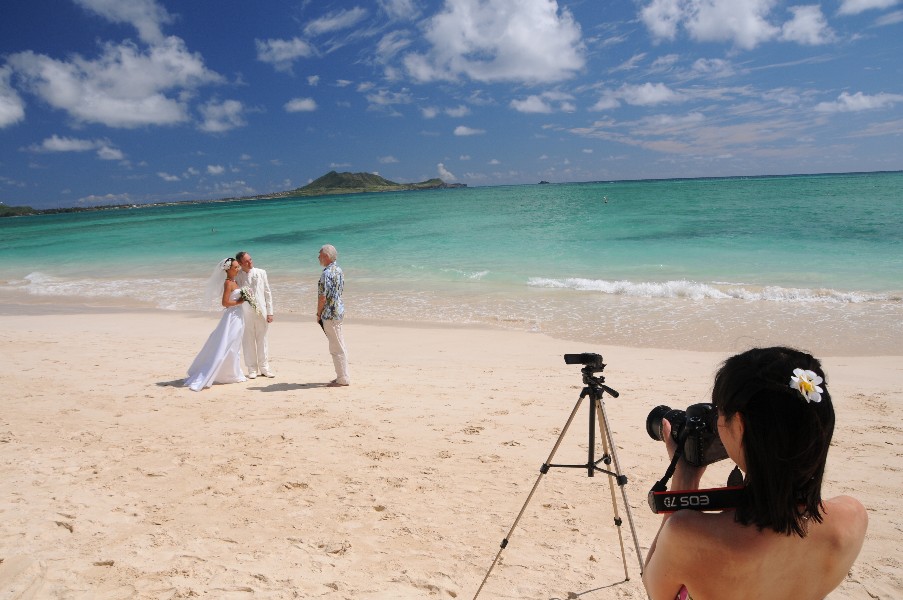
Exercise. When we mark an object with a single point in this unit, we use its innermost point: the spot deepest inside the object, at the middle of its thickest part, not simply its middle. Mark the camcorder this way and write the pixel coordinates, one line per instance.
(589, 359)
(695, 430)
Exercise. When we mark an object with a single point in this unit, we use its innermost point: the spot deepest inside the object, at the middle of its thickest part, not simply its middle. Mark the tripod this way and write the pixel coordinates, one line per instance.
(595, 388)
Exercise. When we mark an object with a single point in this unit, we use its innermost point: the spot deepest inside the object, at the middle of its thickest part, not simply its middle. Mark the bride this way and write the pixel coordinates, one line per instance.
(219, 361)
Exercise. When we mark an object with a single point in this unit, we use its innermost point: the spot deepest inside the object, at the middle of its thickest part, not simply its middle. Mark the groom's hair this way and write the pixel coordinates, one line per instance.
(240, 255)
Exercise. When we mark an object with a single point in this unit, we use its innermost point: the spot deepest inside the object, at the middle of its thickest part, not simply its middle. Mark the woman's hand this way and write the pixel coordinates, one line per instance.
(686, 476)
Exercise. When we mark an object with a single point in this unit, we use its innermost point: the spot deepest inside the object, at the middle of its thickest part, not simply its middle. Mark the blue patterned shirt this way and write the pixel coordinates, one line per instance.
(330, 287)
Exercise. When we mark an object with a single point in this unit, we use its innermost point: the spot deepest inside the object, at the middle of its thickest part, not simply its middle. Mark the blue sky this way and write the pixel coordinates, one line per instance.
(135, 101)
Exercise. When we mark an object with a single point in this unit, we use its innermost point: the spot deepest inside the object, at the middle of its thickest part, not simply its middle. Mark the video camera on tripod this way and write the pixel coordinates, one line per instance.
(594, 389)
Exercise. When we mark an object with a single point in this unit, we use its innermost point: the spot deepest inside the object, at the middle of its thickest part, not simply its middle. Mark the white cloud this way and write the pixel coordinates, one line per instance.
(608, 101)
(742, 22)
(662, 18)
(12, 107)
(215, 169)
(544, 103)
(391, 44)
(713, 67)
(629, 64)
(147, 16)
(854, 7)
(222, 116)
(106, 199)
(313, 80)
(400, 10)
(387, 159)
(891, 18)
(168, 177)
(531, 104)
(124, 87)
(300, 105)
(387, 98)
(429, 112)
(647, 94)
(282, 53)
(105, 149)
(445, 174)
(500, 40)
(461, 130)
(56, 143)
(109, 153)
(665, 63)
(857, 102)
(336, 21)
(808, 27)
(458, 112)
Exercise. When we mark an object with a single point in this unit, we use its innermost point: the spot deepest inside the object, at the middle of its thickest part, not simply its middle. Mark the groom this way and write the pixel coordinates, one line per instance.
(254, 342)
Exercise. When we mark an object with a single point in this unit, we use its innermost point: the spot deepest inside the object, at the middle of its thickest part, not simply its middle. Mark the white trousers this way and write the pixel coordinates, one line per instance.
(333, 330)
(254, 342)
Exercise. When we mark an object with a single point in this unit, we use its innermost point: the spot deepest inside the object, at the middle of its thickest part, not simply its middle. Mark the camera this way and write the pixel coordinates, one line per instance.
(589, 359)
(695, 430)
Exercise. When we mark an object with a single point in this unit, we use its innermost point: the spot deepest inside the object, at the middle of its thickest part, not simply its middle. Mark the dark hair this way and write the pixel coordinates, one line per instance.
(785, 437)
(240, 255)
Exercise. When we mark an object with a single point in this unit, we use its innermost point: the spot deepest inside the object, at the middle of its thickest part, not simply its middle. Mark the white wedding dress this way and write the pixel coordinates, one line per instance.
(219, 361)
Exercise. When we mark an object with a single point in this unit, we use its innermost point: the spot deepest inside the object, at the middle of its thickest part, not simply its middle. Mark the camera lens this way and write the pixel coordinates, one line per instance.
(654, 421)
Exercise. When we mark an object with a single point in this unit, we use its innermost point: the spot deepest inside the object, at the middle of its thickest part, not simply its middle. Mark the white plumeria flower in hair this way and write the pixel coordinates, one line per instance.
(806, 383)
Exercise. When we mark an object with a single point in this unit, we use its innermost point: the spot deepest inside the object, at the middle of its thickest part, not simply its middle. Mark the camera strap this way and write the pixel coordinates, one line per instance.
(662, 501)
(708, 499)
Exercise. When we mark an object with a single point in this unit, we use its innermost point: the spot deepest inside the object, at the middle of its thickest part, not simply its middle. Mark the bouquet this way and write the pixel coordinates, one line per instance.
(248, 296)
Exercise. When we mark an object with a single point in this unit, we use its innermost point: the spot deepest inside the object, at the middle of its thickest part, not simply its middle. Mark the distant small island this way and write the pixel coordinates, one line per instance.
(359, 183)
(329, 184)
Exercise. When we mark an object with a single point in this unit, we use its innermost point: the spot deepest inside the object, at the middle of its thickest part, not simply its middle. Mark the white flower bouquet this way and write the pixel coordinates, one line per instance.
(248, 296)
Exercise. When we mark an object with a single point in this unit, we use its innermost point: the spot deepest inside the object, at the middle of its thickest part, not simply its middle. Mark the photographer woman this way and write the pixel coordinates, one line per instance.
(776, 420)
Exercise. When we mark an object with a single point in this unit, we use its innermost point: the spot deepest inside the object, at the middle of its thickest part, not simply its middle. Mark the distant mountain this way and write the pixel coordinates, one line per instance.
(356, 183)
(331, 183)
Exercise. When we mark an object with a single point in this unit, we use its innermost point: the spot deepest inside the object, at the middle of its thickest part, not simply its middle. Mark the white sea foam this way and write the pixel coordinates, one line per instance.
(169, 294)
(468, 275)
(697, 291)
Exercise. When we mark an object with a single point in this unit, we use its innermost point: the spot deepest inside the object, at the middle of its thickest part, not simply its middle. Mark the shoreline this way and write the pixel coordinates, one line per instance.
(671, 324)
(117, 481)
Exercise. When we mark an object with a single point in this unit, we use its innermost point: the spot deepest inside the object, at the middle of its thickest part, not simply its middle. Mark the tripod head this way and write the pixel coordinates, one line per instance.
(592, 364)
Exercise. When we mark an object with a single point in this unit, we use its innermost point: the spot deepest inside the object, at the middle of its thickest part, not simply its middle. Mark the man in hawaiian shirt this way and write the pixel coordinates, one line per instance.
(331, 311)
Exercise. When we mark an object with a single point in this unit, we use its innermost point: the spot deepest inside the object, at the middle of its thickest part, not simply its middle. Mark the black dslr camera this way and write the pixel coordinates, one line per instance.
(695, 431)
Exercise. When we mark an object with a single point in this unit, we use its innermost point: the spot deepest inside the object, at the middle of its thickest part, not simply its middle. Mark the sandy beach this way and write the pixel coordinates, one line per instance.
(116, 483)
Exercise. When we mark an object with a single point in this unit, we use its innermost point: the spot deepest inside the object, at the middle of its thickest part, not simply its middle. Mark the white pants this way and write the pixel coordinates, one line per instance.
(254, 343)
(333, 330)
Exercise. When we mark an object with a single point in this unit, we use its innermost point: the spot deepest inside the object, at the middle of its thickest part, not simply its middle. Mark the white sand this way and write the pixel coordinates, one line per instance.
(117, 483)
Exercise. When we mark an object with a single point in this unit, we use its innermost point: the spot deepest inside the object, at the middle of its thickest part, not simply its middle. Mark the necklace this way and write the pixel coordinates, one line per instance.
(232, 280)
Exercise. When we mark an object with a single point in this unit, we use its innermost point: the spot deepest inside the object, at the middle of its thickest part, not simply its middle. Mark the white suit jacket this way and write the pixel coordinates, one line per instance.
(256, 279)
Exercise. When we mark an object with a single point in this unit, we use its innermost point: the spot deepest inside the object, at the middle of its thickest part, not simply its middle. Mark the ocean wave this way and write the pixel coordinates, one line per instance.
(173, 294)
(700, 291)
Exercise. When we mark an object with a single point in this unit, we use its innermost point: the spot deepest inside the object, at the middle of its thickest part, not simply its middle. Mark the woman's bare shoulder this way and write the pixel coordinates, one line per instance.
(845, 503)
(847, 516)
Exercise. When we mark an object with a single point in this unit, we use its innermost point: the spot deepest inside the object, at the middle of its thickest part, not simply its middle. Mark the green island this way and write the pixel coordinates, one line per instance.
(329, 184)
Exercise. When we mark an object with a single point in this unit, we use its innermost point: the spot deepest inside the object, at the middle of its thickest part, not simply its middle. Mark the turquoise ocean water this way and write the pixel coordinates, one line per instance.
(702, 263)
